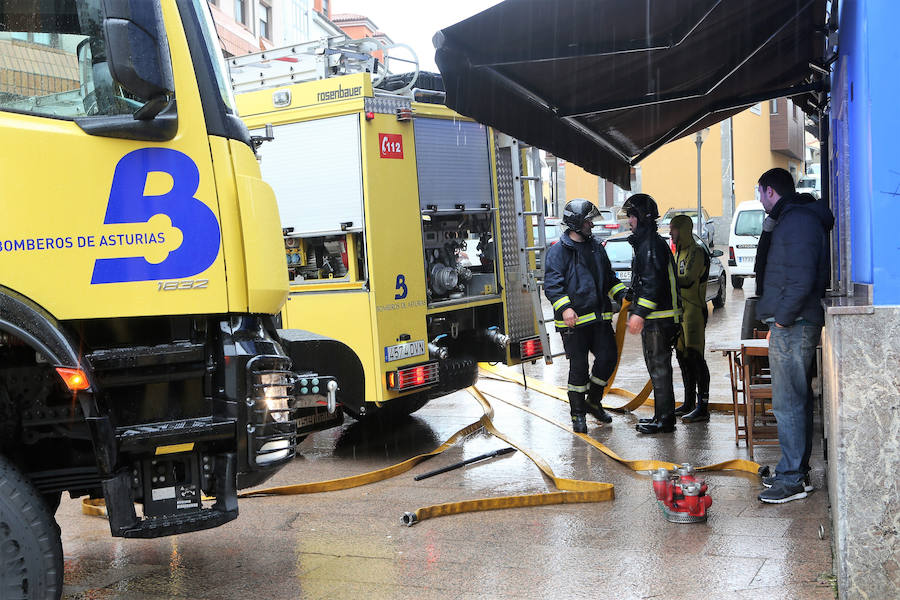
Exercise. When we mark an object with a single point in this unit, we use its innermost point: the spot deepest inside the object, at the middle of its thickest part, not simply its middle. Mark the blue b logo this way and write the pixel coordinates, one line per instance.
(401, 287)
(128, 204)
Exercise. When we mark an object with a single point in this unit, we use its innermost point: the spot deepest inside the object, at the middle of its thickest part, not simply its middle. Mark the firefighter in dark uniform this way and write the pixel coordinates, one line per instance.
(579, 282)
(656, 309)
(692, 267)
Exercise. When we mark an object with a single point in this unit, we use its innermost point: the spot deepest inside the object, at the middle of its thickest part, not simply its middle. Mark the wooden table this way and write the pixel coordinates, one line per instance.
(732, 349)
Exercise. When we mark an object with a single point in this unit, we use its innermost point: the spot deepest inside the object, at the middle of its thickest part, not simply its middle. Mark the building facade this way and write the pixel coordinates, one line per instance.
(246, 26)
(732, 157)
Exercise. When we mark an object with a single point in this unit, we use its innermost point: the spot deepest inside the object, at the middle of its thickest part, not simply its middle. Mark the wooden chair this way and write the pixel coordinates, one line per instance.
(737, 396)
(759, 424)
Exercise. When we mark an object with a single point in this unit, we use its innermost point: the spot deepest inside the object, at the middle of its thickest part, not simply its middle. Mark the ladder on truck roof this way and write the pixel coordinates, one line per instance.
(530, 278)
(318, 59)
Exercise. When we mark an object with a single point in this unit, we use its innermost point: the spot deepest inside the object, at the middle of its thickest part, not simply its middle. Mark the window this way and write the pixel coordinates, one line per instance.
(749, 222)
(619, 250)
(264, 12)
(240, 11)
(773, 106)
(294, 22)
(55, 65)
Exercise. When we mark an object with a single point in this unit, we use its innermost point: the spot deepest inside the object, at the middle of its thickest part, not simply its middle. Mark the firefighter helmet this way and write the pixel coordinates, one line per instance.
(578, 211)
(643, 207)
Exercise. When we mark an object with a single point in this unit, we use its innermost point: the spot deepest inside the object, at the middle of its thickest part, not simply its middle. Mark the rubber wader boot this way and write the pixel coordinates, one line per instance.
(690, 385)
(577, 410)
(699, 414)
(595, 403)
(661, 425)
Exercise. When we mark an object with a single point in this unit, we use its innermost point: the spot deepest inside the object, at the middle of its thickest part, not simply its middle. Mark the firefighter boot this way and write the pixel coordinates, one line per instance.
(699, 414)
(690, 384)
(595, 403)
(657, 344)
(577, 410)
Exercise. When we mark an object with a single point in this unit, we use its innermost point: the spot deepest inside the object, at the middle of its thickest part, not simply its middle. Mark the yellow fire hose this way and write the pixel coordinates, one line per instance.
(571, 490)
(634, 400)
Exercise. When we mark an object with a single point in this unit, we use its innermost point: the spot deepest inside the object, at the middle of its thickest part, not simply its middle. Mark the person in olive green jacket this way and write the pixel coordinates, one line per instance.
(692, 271)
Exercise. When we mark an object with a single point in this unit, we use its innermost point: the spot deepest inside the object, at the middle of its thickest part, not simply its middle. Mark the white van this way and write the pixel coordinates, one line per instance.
(746, 226)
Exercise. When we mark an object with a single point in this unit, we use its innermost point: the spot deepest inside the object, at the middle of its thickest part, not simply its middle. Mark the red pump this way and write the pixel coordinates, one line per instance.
(681, 496)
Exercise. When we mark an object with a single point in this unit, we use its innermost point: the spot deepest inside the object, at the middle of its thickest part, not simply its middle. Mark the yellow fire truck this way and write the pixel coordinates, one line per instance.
(141, 269)
(404, 223)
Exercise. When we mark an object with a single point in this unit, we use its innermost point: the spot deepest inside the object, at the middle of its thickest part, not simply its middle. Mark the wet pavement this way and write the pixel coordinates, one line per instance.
(350, 543)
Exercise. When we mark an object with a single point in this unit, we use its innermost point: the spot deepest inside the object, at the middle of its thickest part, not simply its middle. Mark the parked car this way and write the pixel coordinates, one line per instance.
(620, 254)
(743, 237)
(708, 230)
(552, 231)
(810, 184)
(608, 224)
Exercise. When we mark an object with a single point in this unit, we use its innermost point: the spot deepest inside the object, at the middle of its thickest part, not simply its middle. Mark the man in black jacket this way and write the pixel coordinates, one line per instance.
(796, 276)
(579, 282)
(656, 310)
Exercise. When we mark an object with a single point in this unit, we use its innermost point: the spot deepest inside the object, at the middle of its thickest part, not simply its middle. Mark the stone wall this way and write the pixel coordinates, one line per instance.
(861, 356)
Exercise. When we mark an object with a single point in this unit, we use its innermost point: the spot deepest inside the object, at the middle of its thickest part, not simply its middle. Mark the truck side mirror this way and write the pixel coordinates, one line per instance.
(137, 49)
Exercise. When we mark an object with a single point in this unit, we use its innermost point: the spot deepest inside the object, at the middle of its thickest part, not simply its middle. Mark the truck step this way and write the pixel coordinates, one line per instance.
(195, 520)
(136, 365)
(148, 436)
(144, 356)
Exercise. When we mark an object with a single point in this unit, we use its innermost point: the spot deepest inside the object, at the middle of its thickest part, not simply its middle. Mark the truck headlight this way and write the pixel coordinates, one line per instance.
(275, 394)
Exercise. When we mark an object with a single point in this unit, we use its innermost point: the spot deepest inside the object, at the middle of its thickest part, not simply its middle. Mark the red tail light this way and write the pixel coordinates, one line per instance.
(730, 252)
(413, 377)
(611, 226)
(530, 348)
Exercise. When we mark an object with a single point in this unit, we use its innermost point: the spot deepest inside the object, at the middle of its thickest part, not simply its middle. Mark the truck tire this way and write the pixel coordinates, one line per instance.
(737, 282)
(390, 412)
(31, 559)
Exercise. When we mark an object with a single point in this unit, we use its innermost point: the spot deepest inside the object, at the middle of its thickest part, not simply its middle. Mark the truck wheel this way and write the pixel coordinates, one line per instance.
(31, 559)
(394, 410)
(737, 282)
(719, 300)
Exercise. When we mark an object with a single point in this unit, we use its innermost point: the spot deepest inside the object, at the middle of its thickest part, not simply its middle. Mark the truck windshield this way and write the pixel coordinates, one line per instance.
(53, 58)
(211, 39)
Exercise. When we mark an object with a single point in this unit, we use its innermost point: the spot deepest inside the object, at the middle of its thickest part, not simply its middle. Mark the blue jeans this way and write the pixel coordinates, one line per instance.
(792, 351)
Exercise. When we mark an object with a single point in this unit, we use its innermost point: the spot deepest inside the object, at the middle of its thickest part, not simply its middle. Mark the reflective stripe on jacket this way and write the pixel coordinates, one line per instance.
(653, 280)
(568, 283)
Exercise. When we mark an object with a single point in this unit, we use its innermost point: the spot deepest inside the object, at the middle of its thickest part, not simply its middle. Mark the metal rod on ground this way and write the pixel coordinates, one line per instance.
(463, 463)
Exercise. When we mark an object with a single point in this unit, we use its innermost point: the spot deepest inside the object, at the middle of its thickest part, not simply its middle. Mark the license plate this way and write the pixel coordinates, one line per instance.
(623, 274)
(401, 351)
(746, 259)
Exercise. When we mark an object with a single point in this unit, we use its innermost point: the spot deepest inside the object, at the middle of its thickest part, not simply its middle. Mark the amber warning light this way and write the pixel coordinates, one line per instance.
(75, 379)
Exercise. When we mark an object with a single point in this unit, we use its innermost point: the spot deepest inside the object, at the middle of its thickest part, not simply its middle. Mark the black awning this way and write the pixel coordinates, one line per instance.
(603, 83)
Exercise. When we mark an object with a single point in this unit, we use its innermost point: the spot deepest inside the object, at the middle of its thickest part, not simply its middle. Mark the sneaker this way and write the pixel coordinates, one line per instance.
(782, 492)
(770, 480)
